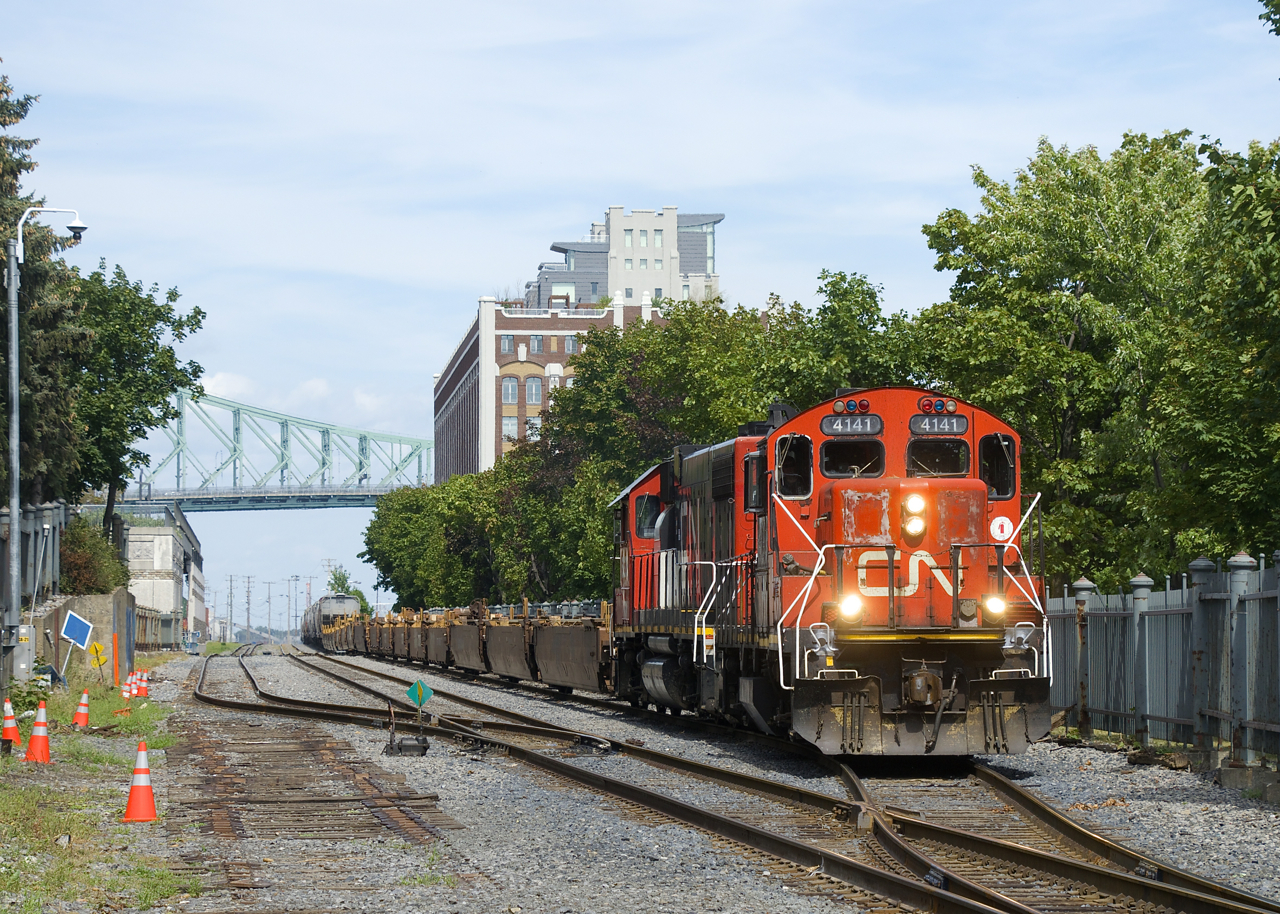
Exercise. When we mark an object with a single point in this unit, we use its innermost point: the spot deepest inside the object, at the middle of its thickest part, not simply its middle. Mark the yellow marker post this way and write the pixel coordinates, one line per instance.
(98, 658)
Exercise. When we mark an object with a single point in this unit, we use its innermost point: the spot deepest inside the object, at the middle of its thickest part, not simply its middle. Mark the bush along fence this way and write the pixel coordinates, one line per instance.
(1198, 665)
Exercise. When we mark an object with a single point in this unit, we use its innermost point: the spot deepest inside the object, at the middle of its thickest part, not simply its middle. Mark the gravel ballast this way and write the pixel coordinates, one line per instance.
(531, 843)
(1179, 817)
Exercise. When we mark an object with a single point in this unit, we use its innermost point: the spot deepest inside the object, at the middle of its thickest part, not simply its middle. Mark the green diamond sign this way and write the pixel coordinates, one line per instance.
(419, 692)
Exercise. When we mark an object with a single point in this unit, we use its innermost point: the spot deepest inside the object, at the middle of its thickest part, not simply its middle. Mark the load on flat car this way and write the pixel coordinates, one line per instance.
(852, 576)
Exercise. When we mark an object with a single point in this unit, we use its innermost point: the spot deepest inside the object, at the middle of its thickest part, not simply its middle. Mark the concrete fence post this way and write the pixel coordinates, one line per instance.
(1201, 639)
(1240, 613)
(1141, 595)
(1083, 588)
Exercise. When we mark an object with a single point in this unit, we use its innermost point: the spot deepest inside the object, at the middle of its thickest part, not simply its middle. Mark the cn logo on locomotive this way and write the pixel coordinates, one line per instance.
(914, 562)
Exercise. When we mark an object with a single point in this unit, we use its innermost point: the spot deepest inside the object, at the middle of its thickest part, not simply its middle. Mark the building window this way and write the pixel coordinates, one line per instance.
(628, 293)
(568, 260)
(534, 426)
(570, 345)
(551, 344)
(627, 235)
(553, 381)
(644, 238)
(508, 344)
(626, 264)
(568, 382)
(644, 264)
(657, 264)
(657, 294)
(533, 390)
(510, 390)
(686, 298)
(657, 238)
(510, 427)
(535, 343)
(564, 290)
(595, 290)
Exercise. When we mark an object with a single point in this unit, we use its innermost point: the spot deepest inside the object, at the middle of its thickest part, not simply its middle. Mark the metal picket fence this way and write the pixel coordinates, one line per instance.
(1197, 665)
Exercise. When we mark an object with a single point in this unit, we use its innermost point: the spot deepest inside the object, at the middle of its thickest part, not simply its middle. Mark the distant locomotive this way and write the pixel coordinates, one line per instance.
(325, 612)
(852, 576)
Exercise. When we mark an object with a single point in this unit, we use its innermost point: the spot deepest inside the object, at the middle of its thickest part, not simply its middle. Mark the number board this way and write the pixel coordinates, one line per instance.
(939, 425)
(867, 424)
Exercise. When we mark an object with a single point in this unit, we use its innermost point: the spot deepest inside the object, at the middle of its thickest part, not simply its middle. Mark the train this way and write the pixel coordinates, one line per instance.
(324, 612)
(856, 576)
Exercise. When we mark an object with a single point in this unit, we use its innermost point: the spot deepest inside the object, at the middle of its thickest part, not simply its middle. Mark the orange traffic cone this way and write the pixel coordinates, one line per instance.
(11, 731)
(142, 684)
(133, 685)
(38, 748)
(82, 713)
(142, 802)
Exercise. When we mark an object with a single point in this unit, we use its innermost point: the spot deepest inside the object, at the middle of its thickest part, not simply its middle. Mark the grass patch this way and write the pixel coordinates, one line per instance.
(147, 885)
(220, 647)
(39, 871)
(427, 878)
(80, 752)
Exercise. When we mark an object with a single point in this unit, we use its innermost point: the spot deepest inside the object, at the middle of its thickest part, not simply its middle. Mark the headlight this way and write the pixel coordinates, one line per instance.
(915, 504)
(914, 526)
(850, 607)
(995, 605)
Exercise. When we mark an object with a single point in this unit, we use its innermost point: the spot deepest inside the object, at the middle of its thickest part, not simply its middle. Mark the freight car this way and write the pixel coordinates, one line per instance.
(852, 576)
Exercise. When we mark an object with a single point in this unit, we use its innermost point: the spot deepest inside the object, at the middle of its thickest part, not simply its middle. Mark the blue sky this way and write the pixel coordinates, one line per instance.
(336, 184)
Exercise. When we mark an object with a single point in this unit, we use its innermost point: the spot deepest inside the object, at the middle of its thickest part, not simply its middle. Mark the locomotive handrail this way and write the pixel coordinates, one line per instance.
(803, 594)
(703, 608)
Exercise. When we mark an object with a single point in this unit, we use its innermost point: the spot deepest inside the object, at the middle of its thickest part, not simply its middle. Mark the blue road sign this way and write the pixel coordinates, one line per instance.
(77, 630)
(419, 692)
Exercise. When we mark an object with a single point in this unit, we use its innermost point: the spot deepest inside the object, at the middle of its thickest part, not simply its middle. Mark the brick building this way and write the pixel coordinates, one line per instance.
(515, 353)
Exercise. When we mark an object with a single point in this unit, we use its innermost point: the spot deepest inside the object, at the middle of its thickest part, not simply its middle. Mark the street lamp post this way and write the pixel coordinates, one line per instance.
(13, 609)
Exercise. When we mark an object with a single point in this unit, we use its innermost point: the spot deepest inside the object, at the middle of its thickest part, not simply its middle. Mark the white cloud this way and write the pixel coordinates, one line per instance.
(229, 386)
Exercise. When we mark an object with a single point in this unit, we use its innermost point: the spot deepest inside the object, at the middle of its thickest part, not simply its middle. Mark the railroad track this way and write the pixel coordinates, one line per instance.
(873, 846)
(989, 806)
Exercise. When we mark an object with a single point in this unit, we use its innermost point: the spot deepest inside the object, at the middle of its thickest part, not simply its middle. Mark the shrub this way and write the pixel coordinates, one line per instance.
(90, 564)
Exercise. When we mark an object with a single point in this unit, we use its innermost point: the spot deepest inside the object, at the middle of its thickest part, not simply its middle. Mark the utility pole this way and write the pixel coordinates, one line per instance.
(231, 625)
(248, 609)
(310, 578)
(270, 632)
(293, 605)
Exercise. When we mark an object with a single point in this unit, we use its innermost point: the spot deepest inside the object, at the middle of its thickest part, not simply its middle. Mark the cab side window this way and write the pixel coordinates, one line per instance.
(794, 462)
(997, 465)
(646, 515)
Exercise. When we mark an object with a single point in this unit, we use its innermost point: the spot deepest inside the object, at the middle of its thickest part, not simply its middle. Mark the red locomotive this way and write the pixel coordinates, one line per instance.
(851, 575)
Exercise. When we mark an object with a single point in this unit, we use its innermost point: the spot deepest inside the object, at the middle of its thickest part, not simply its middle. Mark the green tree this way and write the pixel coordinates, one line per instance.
(1228, 374)
(50, 338)
(1073, 285)
(130, 373)
(1271, 15)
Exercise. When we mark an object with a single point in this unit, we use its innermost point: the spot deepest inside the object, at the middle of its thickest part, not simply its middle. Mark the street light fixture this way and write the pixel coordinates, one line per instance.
(16, 255)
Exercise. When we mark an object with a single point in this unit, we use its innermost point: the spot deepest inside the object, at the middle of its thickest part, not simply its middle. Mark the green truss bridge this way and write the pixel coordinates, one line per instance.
(229, 456)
